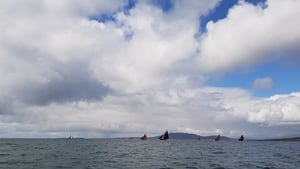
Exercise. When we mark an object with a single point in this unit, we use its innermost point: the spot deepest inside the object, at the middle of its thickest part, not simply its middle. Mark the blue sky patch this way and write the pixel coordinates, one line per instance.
(220, 12)
(130, 5)
(108, 17)
(164, 5)
(103, 18)
(280, 74)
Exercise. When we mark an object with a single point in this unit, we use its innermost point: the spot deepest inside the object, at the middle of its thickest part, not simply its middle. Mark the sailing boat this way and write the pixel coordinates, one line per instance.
(144, 137)
(164, 136)
(218, 137)
(241, 138)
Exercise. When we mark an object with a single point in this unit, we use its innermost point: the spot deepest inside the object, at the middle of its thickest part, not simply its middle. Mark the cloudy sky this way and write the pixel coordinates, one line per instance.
(111, 68)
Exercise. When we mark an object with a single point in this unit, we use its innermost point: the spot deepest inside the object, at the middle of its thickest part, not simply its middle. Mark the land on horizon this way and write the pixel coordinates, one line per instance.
(181, 136)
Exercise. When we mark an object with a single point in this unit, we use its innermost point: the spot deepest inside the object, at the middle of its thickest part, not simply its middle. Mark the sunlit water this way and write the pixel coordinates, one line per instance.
(134, 153)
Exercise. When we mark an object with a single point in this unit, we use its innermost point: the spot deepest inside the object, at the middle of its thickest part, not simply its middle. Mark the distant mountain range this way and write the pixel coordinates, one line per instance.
(192, 136)
(180, 135)
(283, 139)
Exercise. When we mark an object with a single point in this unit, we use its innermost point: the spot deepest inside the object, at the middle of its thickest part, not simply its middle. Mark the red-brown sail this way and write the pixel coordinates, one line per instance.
(144, 137)
(218, 137)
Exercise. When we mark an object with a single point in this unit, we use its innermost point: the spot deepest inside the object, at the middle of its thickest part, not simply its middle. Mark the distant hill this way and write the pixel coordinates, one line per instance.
(192, 136)
(183, 136)
(213, 137)
(283, 139)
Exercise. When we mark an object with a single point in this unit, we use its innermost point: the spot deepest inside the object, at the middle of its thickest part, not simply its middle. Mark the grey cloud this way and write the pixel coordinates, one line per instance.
(5, 105)
(72, 82)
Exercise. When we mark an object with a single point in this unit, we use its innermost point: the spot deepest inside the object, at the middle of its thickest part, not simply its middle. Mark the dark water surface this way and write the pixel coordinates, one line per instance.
(133, 153)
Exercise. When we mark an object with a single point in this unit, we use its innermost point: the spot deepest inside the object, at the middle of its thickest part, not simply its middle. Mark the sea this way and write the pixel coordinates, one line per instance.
(151, 153)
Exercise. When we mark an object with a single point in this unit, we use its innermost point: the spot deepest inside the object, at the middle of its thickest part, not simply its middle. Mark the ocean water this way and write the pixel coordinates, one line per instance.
(152, 153)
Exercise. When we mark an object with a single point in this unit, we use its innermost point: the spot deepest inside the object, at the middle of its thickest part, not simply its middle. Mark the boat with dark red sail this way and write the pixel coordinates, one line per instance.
(144, 137)
(218, 137)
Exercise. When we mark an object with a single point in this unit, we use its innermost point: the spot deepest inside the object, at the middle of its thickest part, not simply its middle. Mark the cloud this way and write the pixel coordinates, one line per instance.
(277, 110)
(63, 71)
(158, 42)
(204, 111)
(46, 56)
(263, 83)
(250, 35)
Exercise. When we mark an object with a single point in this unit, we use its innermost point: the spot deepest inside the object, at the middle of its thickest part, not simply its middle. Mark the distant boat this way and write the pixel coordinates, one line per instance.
(218, 137)
(71, 137)
(164, 136)
(144, 137)
(241, 138)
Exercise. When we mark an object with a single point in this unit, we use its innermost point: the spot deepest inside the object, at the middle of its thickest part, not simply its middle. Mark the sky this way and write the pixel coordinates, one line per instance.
(122, 68)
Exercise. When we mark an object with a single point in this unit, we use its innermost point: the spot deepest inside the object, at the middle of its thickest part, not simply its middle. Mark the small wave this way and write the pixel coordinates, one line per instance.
(265, 167)
(282, 156)
(218, 152)
(39, 148)
(191, 167)
(7, 144)
(61, 166)
(216, 166)
(110, 161)
(123, 155)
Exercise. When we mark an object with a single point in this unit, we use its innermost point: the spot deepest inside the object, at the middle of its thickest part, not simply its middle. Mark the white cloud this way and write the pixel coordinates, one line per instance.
(158, 42)
(277, 110)
(263, 83)
(249, 35)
